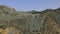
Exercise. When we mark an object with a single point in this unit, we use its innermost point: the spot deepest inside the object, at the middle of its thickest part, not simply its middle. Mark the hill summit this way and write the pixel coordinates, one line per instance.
(6, 9)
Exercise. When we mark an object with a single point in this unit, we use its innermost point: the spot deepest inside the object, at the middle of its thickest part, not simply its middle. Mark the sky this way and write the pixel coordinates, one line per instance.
(28, 5)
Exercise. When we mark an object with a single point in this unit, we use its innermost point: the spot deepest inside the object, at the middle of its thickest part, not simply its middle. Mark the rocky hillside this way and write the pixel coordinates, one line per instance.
(31, 22)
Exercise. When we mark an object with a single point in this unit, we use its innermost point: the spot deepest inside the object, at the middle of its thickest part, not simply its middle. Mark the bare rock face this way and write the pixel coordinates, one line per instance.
(45, 22)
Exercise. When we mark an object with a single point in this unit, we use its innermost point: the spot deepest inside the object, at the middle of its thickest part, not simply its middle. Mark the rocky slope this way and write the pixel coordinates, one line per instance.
(34, 22)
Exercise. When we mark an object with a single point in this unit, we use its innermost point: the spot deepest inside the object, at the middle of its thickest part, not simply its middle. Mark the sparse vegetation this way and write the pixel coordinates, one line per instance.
(23, 21)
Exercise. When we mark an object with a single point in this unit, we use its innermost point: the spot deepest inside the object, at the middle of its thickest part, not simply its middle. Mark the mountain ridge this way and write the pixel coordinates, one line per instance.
(31, 22)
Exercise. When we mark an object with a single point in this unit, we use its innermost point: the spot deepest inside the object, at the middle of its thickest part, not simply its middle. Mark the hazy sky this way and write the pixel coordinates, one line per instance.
(24, 5)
